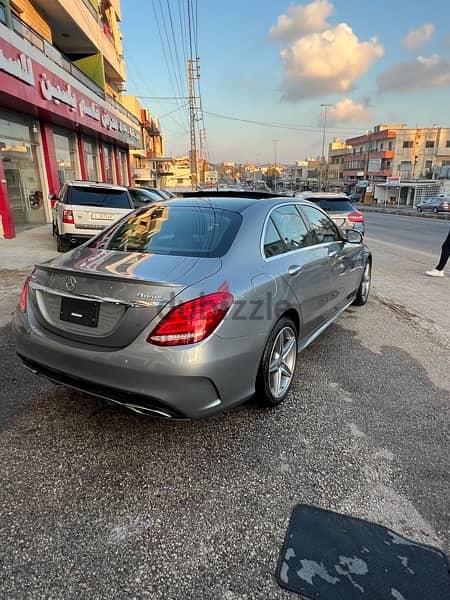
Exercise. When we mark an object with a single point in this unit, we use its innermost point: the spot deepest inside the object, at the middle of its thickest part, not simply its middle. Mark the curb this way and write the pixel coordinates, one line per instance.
(405, 213)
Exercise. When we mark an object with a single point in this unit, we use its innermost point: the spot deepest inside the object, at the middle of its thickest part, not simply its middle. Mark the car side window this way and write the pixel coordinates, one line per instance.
(292, 228)
(273, 244)
(324, 228)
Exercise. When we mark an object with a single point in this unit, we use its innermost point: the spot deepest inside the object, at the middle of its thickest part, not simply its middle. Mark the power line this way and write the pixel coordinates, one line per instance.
(277, 125)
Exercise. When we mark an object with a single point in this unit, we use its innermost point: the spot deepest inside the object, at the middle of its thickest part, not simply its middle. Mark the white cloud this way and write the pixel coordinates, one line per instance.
(349, 111)
(302, 19)
(420, 73)
(418, 37)
(326, 62)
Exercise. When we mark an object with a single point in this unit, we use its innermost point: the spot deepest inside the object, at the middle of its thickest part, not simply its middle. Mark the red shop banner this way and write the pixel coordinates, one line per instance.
(27, 81)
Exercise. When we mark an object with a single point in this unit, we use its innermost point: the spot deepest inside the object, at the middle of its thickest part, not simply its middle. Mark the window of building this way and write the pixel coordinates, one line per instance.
(2, 14)
(108, 159)
(66, 154)
(90, 149)
(447, 144)
(124, 167)
(381, 146)
(446, 163)
(428, 164)
(429, 144)
(390, 146)
(406, 162)
(22, 168)
(408, 144)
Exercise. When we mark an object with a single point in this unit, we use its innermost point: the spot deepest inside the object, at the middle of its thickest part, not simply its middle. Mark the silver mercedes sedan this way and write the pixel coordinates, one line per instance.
(186, 308)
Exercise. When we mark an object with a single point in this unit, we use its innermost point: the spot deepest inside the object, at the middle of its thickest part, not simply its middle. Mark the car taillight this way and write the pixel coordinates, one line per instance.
(24, 296)
(191, 321)
(356, 217)
(68, 217)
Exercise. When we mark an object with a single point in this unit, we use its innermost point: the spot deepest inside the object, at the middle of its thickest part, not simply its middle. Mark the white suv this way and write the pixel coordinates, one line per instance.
(84, 208)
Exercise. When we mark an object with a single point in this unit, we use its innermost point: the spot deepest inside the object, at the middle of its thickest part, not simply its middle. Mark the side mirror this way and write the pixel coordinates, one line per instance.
(353, 236)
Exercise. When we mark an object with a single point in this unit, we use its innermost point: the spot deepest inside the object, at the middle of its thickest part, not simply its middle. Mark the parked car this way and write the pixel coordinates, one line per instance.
(164, 194)
(83, 208)
(161, 313)
(355, 197)
(142, 197)
(339, 207)
(436, 204)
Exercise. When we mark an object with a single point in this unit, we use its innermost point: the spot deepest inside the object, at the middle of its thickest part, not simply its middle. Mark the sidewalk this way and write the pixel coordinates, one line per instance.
(17, 258)
(402, 210)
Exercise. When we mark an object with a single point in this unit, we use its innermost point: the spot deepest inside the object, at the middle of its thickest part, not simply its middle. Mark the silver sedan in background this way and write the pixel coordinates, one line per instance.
(186, 308)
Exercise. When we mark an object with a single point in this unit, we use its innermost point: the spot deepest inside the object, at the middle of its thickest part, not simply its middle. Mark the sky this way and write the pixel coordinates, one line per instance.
(276, 62)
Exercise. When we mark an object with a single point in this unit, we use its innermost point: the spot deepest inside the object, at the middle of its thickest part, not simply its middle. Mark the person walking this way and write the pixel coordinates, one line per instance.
(438, 271)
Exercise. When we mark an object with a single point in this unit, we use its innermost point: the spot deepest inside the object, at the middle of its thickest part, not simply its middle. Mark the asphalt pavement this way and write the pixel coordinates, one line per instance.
(425, 235)
(99, 503)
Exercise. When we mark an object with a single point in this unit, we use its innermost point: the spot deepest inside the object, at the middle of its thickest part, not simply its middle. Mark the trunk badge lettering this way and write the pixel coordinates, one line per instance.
(144, 296)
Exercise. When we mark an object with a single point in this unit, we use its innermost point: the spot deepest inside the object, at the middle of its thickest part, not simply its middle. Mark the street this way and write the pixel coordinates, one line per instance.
(410, 233)
(96, 502)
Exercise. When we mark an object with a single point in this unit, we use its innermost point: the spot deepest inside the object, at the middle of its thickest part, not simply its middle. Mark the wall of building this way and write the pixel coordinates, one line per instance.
(27, 13)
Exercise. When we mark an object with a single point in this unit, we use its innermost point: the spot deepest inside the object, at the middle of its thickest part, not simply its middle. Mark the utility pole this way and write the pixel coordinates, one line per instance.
(275, 142)
(193, 74)
(322, 160)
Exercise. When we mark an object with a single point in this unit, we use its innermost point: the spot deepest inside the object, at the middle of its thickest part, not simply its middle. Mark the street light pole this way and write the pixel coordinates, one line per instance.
(322, 158)
(275, 142)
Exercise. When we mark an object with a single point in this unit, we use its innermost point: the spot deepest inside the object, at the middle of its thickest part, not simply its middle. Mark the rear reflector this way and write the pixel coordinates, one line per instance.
(24, 296)
(191, 321)
(68, 217)
(356, 217)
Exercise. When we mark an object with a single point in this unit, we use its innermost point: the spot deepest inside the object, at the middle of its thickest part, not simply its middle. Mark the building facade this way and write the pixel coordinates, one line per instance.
(61, 77)
(371, 156)
(421, 153)
(146, 158)
(396, 151)
(337, 152)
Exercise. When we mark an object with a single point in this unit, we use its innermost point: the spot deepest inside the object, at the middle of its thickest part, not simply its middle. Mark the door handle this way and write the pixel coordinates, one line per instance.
(294, 270)
(332, 254)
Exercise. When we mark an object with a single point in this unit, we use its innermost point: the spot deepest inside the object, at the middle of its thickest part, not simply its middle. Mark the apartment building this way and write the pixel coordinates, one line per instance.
(146, 160)
(396, 151)
(421, 153)
(371, 155)
(337, 152)
(62, 74)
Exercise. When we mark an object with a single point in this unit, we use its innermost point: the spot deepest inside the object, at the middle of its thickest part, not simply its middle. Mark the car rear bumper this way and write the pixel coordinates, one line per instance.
(181, 382)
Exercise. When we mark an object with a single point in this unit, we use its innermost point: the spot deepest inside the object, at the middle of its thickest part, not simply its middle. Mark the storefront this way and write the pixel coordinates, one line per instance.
(52, 129)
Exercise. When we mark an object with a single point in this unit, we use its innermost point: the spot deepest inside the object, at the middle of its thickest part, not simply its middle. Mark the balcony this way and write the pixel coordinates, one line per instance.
(388, 154)
(58, 58)
(142, 174)
(77, 31)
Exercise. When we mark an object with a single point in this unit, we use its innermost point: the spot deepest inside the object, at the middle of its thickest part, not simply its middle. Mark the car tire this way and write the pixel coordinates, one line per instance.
(62, 245)
(419, 209)
(362, 295)
(276, 370)
(435, 210)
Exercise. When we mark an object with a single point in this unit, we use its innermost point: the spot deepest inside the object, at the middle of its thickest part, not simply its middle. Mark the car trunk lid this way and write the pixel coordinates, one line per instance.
(106, 298)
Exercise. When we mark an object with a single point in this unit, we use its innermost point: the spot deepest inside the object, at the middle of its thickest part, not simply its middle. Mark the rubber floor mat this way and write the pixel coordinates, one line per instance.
(329, 556)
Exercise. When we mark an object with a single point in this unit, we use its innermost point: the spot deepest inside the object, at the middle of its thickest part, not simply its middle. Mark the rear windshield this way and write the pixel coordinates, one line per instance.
(177, 230)
(101, 197)
(331, 205)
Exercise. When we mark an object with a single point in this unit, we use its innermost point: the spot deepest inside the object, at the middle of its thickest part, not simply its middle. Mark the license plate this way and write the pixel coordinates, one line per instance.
(82, 312)
(103, 216)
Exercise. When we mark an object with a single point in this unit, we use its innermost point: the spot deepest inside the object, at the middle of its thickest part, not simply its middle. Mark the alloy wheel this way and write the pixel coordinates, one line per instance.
(282, 361)
(365, 284)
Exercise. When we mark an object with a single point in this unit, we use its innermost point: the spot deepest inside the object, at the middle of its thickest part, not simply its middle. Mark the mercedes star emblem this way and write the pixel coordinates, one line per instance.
(71, 283)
